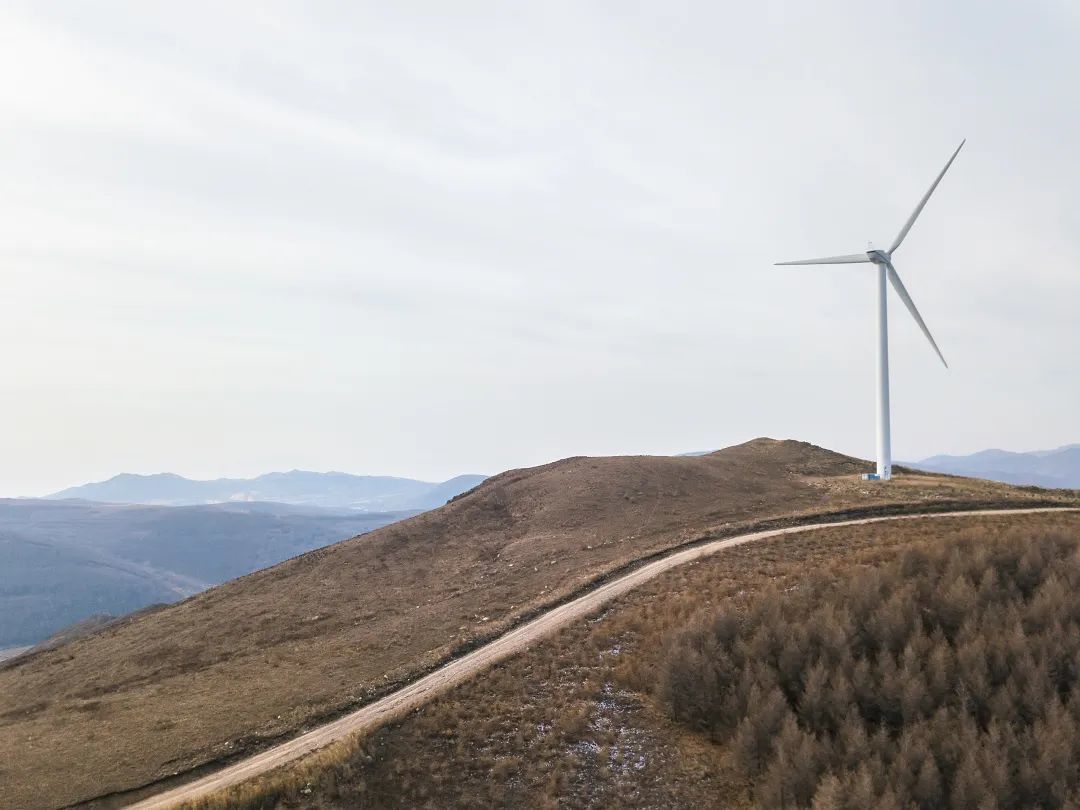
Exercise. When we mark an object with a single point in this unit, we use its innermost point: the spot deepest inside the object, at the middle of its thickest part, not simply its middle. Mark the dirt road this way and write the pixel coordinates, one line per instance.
(421, 691)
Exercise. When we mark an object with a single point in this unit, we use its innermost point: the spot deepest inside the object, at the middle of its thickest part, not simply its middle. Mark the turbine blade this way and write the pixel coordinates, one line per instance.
(922, 203)
(898, 285)
(849, 259)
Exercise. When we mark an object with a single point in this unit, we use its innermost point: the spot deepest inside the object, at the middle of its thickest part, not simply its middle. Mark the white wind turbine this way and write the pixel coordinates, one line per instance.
(885, 268)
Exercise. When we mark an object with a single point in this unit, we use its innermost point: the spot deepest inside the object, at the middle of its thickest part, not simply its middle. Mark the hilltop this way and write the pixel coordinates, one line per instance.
(164, 692)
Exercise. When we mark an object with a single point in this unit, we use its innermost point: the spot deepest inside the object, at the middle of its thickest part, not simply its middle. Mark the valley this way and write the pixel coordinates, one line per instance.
(62, 562)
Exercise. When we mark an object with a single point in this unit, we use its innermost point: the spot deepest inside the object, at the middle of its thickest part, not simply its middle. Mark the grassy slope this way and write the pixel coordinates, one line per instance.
(268, 653)
(575, 721)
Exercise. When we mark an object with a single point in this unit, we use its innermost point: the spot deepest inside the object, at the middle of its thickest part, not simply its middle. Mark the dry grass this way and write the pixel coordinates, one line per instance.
(578, 721)
(241, 665)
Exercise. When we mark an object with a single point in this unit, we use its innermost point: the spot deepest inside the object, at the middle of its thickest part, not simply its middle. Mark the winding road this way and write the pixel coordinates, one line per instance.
(398, 703)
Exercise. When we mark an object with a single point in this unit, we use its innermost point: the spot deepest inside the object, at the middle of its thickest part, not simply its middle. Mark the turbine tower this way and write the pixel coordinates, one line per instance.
(885, 269)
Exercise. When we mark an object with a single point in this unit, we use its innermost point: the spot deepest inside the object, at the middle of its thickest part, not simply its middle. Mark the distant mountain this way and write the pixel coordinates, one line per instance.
(66, 561)
(1045, 468)
(370, 493)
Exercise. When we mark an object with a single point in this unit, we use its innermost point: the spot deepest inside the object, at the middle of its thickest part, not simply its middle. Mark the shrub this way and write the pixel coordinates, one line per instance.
(947, 678)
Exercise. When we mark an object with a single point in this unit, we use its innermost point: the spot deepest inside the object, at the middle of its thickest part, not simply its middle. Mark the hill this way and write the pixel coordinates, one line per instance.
(64, 561)
(839, 669)
(1043, 468)
(372, 493)
(171, 690)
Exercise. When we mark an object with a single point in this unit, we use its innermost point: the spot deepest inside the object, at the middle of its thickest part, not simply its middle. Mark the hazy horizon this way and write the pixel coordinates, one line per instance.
(421, 242)
(441, 480)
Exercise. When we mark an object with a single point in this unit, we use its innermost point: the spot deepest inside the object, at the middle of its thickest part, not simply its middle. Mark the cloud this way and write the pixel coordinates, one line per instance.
(246, 236)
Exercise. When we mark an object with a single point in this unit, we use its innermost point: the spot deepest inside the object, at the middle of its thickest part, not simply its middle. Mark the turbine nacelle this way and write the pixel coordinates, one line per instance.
(878, 257)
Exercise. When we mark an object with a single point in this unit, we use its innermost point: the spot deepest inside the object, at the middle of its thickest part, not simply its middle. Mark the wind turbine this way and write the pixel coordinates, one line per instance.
(885, 268)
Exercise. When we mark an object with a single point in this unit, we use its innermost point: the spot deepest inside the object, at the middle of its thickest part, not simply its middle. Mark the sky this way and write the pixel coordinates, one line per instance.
(425, 239)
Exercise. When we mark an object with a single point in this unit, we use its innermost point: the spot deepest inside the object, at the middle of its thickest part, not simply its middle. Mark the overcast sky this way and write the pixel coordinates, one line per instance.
(426, 238)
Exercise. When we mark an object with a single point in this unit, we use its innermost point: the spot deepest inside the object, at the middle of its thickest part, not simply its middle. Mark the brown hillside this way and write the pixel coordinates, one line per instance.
(584, 719)
(269, 653)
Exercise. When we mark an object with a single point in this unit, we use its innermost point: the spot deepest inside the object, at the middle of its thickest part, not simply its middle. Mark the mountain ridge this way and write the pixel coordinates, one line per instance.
(1058, 468)
(371, 493)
